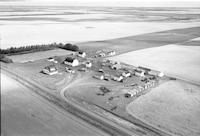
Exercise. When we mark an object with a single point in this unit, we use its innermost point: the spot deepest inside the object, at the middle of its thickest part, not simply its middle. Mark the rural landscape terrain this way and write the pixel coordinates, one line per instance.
(92, 71)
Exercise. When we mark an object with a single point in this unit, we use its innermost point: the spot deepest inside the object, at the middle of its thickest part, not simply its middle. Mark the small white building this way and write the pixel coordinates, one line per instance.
(148, 85)
(50, 59)
(101, 77)
(69, 70)
(81, 54)
(156, 73)
(139, 73)
(161, 74)
(140, 88)
(50, 70)
(102, 54)
(88, 64)
(118, 78)
(126, 74)
(116, 66)
(71, 61)
(131, 93)
(111, 61)
(153, 82)
(111, 53)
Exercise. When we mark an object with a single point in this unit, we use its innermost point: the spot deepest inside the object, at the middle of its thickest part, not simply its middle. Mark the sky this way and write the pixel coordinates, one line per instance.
(126, 3)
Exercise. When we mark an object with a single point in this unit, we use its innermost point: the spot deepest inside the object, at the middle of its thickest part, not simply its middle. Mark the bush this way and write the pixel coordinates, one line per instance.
(70, 47)
(4, 59)
(2, 56)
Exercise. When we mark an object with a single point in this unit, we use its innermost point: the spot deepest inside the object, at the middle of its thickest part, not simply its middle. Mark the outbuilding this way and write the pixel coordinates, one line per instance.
(88, 64)
(111, 53)
(144, 69)
(100, 77)
(118, 78)
(126, 74)
(116, 66)
(71, 61)
(130, 93)
(50, 70)
(140, 88)
(69, 70)
(51, 59)
(81, 54)
(139, 73)
(102, 54)
(156, 73)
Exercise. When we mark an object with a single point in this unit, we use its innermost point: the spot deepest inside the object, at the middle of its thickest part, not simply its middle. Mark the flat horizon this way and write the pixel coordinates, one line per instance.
(118, 3)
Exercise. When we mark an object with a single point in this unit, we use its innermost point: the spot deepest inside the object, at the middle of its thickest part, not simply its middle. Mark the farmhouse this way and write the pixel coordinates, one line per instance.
(71, 61)
(81, 54)
(50, 70)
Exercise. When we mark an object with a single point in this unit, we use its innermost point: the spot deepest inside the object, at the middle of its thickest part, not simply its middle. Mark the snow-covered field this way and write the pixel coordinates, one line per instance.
(23, 113)
(21, 33)
(173, 106)
(176, 60)
(29, 25)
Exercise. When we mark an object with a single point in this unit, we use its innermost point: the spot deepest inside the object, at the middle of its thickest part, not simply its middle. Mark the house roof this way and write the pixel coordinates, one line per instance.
(51, 68)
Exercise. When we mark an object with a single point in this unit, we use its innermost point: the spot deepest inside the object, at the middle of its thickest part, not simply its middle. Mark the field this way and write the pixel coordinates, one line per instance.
(143, 41)
(40, 25)
(177, 60)
(24, 113)
(173, 106)
(38, 55)
(164, 39)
